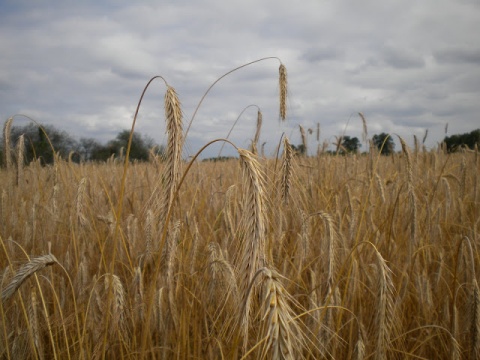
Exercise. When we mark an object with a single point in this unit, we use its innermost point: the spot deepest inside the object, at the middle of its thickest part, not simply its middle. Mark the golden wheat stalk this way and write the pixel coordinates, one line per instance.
(137, 288)
(20, 160)
(25, 272)
(170, 273)
(149, 224)
(283, 91)
(475, 321)
(222, 282)
(114, 285)
(6, 143)
(254, 256)
(80, 201)
(365, 130)
(173, 114)
(252, 253)
(34, 324)
(384, 314)
(304, 139)
(278, 326)
(287, 159)
(412, 197)
(256, 138)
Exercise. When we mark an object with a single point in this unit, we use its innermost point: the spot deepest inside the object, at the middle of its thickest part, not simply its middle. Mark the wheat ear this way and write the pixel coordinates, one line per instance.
(365, 130)
(20, 160)
(6, 143)
(413, 198)
(287, 158)
(257, 133)
(253, 257)
(25, 272)
(283, 91)
(137, 288)
(277, 326)
(304, 139)
(252, 252)
(475, 322)
(34, 323)
(173, 114)
(80, 202)
(384, 314)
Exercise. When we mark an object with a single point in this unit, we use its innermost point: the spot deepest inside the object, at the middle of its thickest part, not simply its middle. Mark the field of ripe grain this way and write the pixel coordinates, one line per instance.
(323, 257)
(328, 257)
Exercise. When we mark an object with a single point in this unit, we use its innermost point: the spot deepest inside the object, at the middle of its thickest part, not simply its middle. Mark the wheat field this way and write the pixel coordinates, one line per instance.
(296, 257)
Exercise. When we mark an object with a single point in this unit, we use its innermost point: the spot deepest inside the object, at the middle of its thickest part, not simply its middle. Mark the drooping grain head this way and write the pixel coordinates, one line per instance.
(25, 272)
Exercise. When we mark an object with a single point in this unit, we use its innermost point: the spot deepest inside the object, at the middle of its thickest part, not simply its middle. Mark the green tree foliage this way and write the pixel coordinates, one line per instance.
(117, 147)
(40, 140)
(349, 145)
(384, 143)
(299, 149)
(456, 142)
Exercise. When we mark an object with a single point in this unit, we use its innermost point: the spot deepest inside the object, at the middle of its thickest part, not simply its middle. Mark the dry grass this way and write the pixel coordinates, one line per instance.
(324, 257)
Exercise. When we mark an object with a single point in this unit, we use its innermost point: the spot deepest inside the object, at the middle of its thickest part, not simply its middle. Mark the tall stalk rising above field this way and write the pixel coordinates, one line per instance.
(252, 254)
(6, 143)
(287, 158)
(283, 91)
(173, 114)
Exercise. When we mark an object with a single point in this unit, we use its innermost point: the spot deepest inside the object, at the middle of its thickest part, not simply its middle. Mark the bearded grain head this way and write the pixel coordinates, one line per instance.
(173, 114)
(283, 91)
(6, 143)
(25, 272)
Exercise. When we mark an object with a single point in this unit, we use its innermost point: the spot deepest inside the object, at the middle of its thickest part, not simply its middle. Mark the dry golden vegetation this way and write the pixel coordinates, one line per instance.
(325, 257)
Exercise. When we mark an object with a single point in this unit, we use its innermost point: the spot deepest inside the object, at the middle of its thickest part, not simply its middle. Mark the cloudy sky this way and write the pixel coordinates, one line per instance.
(81, 66)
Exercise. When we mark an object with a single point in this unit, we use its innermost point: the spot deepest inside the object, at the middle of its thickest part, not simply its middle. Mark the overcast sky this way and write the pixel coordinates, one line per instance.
(81, 66)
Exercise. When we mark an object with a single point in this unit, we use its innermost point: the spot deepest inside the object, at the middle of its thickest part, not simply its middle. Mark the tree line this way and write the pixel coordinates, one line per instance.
(384, 143)
(39, 141)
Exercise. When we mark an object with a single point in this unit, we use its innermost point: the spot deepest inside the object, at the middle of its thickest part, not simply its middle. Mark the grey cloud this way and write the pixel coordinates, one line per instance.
(402, 58)
(321, 54)
(458, 56)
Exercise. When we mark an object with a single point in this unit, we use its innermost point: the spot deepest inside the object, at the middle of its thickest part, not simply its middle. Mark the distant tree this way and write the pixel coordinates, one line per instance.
(384, 143)
(139, 149)
(455, 142)
(299, 149)
(218, 158)
(87, 148)
(350, 145)
(40, 140)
